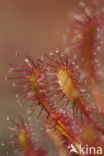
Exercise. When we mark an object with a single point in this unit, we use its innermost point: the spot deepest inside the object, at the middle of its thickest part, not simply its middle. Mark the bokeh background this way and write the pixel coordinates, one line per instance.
(33, 26)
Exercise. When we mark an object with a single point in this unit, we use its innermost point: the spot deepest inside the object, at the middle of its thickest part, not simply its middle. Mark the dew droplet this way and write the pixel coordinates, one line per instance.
(26, 60)
(17, 95)
(11, 70)
(6, 78)
(31, 93)
(51, 53)
(83, 90)
(8, 118)
(48, 130)
(98, 48)
(62, 55)
(81, 4)
(13, 84)
(57, 50)
(2, 144)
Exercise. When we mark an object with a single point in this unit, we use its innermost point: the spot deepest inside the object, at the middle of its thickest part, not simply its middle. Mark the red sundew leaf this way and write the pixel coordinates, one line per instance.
(32, 74)
(62, 78)
(40, 96)
(68, 83)
(36, 78)
(22, 139)
(85, 131)
(88, 48)
(88, 36)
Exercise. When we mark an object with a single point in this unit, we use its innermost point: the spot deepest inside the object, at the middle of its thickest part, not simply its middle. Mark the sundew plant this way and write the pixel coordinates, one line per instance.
(68, 88)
